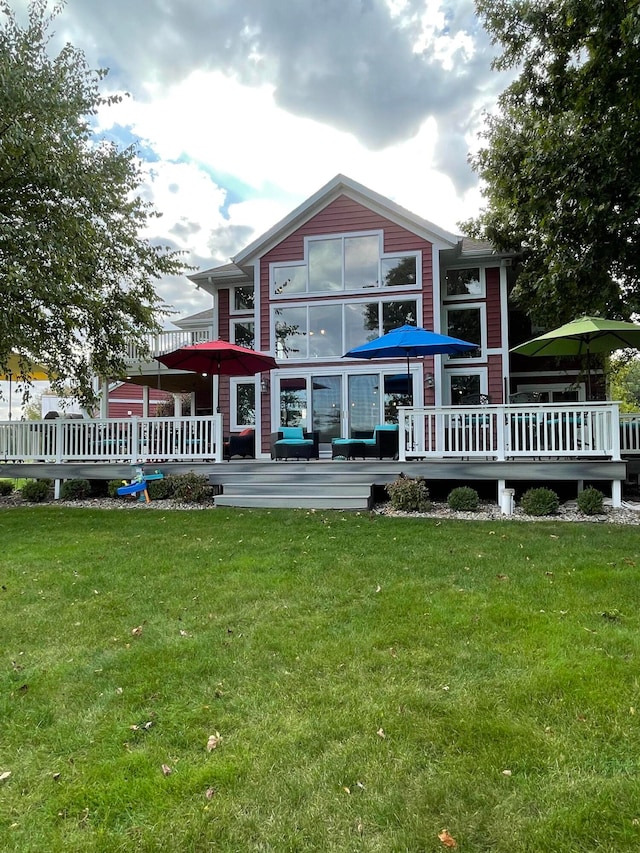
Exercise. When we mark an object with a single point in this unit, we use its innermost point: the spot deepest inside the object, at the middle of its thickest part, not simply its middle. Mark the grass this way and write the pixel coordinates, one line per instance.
(372, 680)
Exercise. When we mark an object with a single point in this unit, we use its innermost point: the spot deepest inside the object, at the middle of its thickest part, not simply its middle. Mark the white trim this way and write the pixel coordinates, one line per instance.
(504, 332)
(257, 293)
(468, 306)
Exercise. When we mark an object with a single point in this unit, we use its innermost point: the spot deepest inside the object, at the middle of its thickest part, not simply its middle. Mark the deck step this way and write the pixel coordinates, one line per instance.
(253, 487)
(293, 501)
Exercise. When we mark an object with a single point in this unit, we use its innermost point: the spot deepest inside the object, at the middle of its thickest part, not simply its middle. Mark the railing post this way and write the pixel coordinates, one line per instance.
(59, 439)
(135, 432)
(402, 434)
(614, 414)
(217, 422)
(501, 419)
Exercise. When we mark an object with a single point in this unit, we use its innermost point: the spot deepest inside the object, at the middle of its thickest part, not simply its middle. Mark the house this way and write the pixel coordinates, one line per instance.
(344, 267)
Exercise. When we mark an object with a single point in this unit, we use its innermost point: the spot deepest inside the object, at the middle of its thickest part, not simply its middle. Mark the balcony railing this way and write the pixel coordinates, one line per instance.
(535, 431)
(165, 342)
(130, 440)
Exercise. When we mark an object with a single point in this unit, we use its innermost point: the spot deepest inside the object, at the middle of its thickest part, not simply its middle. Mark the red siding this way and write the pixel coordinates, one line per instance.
(128, 398)
(494, 316)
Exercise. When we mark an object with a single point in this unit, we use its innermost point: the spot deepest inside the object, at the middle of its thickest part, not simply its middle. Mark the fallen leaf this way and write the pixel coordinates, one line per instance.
(506, 772)
(4, 776)
(136, 632)
(378, 588)
(55, 777)
(183, 634)
(348, 790)
(381, 733)
(166, 770)
(447, 840)
(210, 793)
(503, 577)
(213, 741)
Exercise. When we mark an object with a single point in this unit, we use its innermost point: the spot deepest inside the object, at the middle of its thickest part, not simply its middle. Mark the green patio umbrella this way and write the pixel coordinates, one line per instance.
(583, 337)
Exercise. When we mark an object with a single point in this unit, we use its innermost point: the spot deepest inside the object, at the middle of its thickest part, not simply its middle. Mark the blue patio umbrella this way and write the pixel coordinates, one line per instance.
(409, 342)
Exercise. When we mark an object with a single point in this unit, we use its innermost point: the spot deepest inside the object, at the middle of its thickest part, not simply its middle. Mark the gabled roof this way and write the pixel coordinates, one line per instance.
(341, 185)
(223, 272)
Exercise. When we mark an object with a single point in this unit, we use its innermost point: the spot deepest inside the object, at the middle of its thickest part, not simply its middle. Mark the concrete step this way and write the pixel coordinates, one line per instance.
(282, 501)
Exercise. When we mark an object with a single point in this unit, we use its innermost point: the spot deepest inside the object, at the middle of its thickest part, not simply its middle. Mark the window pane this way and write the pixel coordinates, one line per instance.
(361, 262)
(325, 265)
(364, 402)
(288, 280)
(395, 314)
(246, 404)
(243, 298)
(291, 333)
(361, 324)
(245, 334)
(293, 402)
(325, 331)
(398, 271)
(465, 324)
(463, 282)
(463, 384)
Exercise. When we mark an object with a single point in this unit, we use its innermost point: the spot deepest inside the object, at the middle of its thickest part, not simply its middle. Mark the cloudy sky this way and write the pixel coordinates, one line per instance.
(241, 109)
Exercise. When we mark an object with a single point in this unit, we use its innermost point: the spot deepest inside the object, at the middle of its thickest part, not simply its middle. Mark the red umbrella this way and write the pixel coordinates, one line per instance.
(220, 358)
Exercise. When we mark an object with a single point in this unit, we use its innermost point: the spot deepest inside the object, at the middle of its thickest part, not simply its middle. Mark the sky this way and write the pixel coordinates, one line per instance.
(242, 109)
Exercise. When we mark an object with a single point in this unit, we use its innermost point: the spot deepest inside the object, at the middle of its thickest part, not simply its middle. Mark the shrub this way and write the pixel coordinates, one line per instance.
(75, 490)
(591, 501)
(6, 487)
(191, 488)
(464, 499)
(36, 491)
(161, 490)
(409, 495)
(540, 501)
(112, 488)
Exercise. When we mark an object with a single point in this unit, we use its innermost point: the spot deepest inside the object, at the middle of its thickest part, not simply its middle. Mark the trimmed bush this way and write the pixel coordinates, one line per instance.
(591, 501)
(463, 499)
(112, 488)
(75, 490)
(409, 495)
(6, 488)
(98, 488)
(190, 488)
(540, 501)
(36, 491)
(161, 490)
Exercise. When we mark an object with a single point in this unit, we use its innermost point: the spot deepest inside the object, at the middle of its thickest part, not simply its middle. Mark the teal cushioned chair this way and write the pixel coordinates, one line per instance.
(382, 444)
(294, 443)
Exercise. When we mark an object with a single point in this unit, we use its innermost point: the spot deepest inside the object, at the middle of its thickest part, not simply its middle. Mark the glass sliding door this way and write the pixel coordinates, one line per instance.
(326, 407)
(364, 402)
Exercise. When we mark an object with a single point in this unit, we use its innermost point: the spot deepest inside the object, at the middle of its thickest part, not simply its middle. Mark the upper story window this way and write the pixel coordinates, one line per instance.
(243, 333)
(340, 263)
(464, 283)
(243, 299)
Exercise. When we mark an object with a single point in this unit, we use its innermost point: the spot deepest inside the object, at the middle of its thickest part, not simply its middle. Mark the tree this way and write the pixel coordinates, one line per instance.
(559, 166)
(77, 279)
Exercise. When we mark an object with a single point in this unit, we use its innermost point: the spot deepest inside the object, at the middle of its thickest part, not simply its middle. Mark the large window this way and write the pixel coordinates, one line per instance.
(349, 262)
(464, 283)
(243, 333)
(467, 324)
(243, 298)
(243, 403)
(328, 330)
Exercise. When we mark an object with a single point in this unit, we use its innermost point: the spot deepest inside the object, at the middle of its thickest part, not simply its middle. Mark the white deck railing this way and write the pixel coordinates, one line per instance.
(128, 439)
(535, 431)
(165, 342)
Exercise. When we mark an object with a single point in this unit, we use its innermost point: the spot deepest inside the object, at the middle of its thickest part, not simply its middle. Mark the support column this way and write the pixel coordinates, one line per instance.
(616, 494)
(104, 398)
(145, 401)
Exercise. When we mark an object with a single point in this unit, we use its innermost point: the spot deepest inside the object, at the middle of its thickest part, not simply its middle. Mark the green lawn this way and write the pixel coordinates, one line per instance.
(373, 681)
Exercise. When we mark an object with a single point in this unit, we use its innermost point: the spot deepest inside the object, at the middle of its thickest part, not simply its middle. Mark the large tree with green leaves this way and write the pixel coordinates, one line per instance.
(76, 276)
(559, 163)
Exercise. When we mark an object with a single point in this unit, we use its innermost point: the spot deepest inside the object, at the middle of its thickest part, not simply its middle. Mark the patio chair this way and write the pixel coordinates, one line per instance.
(295, 443)
(524, 397)
(243, 444)
(475, 400)
(381, 444)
